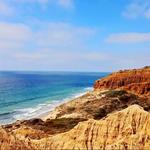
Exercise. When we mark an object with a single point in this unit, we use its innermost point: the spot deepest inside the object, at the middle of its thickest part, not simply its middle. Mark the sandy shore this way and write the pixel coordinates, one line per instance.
(52, 114)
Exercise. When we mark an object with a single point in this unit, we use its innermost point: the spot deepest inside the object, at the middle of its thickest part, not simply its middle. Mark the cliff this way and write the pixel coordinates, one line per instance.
(137, 81)
(126, 129)
(116, 115)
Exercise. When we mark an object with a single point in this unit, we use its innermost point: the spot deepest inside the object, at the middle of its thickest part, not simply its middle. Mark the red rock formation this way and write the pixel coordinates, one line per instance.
(137, 81)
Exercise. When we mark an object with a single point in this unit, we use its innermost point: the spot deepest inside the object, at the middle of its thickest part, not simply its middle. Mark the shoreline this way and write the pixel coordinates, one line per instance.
(46, 115)
(51, 108)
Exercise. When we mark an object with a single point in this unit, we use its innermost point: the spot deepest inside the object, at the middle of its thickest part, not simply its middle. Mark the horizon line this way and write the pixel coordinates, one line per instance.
(73, 71)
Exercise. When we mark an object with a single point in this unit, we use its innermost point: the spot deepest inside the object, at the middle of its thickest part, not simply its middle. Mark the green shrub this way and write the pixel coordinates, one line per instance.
(116, 93)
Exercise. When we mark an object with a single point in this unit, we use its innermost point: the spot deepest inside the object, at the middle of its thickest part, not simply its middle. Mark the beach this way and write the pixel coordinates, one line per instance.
(51, 114)
(26, 95)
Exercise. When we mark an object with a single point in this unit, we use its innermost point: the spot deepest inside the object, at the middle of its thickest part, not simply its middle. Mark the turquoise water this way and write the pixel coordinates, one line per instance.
(24, 95)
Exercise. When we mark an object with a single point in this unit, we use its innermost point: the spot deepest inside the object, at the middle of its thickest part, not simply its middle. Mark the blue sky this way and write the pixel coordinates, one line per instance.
(74, 35)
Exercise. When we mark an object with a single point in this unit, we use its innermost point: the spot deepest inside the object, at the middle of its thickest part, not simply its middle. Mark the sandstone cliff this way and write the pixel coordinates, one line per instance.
(116, 115)
(137, 81)
(126, 129)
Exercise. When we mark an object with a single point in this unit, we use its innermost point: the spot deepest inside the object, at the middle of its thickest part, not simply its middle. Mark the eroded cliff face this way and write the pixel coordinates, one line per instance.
(126, 129)
(116, 115)
(137, 81)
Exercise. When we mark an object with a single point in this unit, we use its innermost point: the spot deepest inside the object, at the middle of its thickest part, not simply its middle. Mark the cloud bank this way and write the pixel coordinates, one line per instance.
(48, 35)
(137, 8)
(128, 38)
(11, 7)
(51, 46)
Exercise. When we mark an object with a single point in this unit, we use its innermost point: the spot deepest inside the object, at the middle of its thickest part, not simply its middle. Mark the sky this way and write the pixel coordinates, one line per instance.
(74, 35)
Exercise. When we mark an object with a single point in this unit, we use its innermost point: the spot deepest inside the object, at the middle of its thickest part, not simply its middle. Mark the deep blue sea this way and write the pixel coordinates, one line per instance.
(24, 95)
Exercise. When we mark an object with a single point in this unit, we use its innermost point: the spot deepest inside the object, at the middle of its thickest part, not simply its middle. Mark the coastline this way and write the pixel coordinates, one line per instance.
(39, 93)
(46, 109)
(47, 115)
(115, 115)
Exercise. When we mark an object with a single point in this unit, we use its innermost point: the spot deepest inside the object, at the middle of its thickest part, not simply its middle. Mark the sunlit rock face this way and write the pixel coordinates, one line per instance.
(126, 129)
(116, 115)
(136, 80)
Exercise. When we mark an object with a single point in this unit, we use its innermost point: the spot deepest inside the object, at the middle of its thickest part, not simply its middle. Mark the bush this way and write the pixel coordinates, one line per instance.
(116, 93)
(100, 113)
(70, 109)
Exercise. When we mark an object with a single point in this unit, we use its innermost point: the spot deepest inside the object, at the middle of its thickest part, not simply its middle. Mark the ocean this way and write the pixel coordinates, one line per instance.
(24, 95)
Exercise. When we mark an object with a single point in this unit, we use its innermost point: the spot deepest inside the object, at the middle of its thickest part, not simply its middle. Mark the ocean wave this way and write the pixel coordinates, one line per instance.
(40, 109)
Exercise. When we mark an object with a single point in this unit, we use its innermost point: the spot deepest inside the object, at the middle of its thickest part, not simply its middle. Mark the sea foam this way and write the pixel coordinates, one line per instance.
(41, 109)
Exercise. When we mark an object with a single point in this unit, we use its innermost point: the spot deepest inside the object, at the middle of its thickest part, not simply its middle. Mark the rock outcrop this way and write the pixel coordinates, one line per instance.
(137, 81)
(97, 104)
(116, 115)
(126, 129)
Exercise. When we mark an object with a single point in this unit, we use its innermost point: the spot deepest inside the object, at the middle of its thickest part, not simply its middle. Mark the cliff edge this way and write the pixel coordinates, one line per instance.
(136, 80)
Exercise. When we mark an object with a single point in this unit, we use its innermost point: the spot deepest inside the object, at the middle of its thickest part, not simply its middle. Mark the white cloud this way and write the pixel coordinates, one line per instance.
(61, 60)
(63, 35)
(62, 3)
(51, 44)
(137, 8)
(9, 7)
(128, 37)
(32, 1)
(48, 35)
(30, 56)
(17, 32)
(62, 56)
(5, 9)
(147, 14)
(66, 3)
(13, 36)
